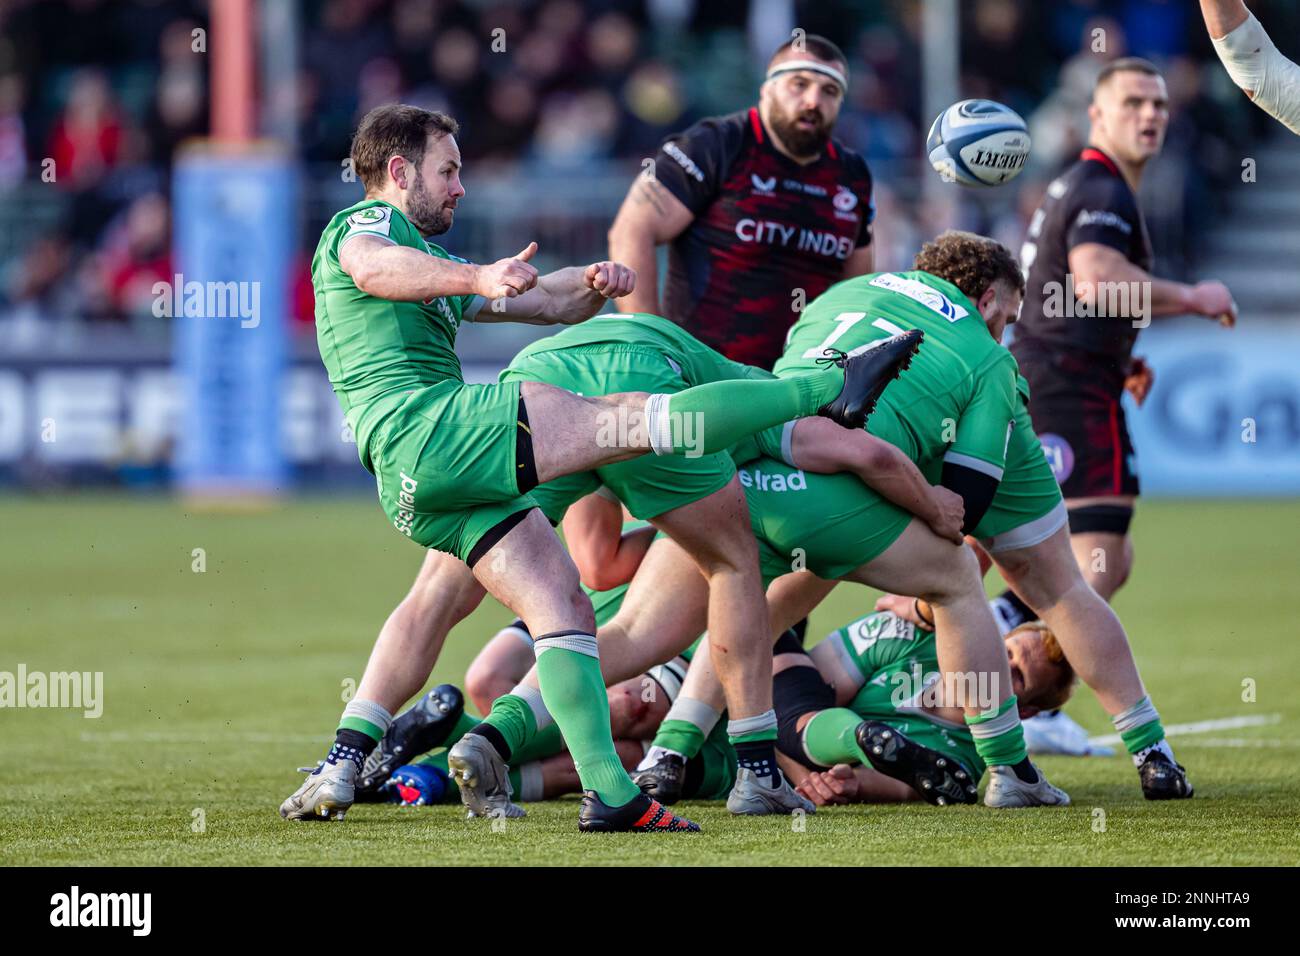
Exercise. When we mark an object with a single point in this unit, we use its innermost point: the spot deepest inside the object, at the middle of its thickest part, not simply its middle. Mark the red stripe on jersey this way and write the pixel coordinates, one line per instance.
(830, 149)
(756, 123)
(1097, 156)
(1119, 449)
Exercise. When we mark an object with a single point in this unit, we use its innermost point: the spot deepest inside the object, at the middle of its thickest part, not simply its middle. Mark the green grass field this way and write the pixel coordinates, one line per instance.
(218, 684)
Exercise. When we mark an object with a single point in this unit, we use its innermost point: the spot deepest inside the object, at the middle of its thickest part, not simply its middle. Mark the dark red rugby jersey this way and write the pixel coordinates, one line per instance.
(1090, 202)
(764, 226)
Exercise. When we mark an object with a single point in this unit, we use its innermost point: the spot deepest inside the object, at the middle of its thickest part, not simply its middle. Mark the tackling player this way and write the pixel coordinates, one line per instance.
(454, 462)
(1013, 504)
(753, 206)
(842, 529)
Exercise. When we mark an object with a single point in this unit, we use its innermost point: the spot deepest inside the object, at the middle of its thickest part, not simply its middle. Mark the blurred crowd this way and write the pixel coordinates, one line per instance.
(96, 96)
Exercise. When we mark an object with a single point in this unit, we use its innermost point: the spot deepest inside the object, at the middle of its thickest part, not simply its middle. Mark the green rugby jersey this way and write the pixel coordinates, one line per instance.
(956, 402)
(900, 664)
(377, 350)
(694, 361)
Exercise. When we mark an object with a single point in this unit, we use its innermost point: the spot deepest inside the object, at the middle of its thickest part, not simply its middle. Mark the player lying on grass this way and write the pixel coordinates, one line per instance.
(1013, 503)
(870, 694)
(866, 715)
(454, 462)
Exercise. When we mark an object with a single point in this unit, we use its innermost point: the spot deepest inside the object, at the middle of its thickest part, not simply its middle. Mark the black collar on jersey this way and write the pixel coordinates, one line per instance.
(756, 123)
(1094, 155)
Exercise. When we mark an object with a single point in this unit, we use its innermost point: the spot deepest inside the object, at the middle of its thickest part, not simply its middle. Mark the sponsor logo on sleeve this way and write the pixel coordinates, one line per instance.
(376, 219)
(1103, 217)
(684, 161)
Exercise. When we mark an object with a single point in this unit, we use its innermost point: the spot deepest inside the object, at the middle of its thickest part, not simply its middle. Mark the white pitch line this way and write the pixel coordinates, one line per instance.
(1202, 727)
(1268, 743)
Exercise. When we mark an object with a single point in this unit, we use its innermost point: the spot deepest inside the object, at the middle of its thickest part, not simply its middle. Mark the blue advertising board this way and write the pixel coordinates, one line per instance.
(234, 242)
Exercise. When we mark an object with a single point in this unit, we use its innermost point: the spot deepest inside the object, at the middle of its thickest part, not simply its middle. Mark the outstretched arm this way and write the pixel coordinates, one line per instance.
(564, 297)
(1270, 80)
(819, 445)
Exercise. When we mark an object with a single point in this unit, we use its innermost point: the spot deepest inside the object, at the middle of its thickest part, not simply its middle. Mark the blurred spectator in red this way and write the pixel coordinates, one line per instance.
(88, 137)
(137, 254)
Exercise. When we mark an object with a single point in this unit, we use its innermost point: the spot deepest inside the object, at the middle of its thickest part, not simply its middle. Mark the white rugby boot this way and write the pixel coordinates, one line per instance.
(1055, 733)
(1006, 791)
(326, 794)
(751, 797)
(483, 779)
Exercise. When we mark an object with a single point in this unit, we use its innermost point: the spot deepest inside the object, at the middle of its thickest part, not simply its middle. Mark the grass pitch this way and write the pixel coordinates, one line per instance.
(218, 683)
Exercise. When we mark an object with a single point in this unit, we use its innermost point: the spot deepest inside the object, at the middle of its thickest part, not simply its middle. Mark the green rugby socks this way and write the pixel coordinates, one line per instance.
(360, 729)
(712, 417)
(683, 730)
(1140, 729)
(829, 738)
(999, 738)
(568, 668)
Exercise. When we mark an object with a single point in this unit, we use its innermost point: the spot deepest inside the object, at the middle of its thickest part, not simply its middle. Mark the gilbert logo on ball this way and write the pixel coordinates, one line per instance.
(978, 143)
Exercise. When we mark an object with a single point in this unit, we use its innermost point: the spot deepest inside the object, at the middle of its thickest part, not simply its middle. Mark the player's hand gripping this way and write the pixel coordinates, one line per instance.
(507, 278)
(950, 513)
(1213, 300)
(837, 785)
(613, 280)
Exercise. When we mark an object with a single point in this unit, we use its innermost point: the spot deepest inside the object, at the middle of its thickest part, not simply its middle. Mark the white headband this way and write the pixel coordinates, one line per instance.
(793, 66)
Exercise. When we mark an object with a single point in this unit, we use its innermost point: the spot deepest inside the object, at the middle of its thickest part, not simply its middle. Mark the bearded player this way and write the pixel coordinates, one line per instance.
(454, 462)
(761, 210)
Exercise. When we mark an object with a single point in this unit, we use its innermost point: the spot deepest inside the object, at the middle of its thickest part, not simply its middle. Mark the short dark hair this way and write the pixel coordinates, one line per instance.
(1125, 64)
(818, 46)
(972, 263)
(395, 130)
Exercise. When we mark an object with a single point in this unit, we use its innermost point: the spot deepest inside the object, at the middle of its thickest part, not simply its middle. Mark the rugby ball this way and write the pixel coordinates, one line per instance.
(978, 143)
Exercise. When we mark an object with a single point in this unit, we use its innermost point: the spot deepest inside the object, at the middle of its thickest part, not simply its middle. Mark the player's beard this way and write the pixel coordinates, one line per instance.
(430, 216)
(801, 142)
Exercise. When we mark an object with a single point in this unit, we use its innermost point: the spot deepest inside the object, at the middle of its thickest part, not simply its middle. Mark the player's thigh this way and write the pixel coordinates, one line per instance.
(448, 447)
(445, 584)
(529, 572)
(1104, 558)
(666, 605)
(714, 529)
(921, 563)
(1041, 573)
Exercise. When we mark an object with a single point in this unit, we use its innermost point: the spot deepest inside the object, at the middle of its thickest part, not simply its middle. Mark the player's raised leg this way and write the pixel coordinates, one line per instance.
(572, 433)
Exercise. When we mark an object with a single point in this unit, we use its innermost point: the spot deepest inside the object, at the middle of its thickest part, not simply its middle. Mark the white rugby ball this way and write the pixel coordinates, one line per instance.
(978, 143)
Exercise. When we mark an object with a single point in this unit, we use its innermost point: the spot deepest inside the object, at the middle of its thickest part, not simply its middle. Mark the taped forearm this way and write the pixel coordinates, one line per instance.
(1256, 66)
